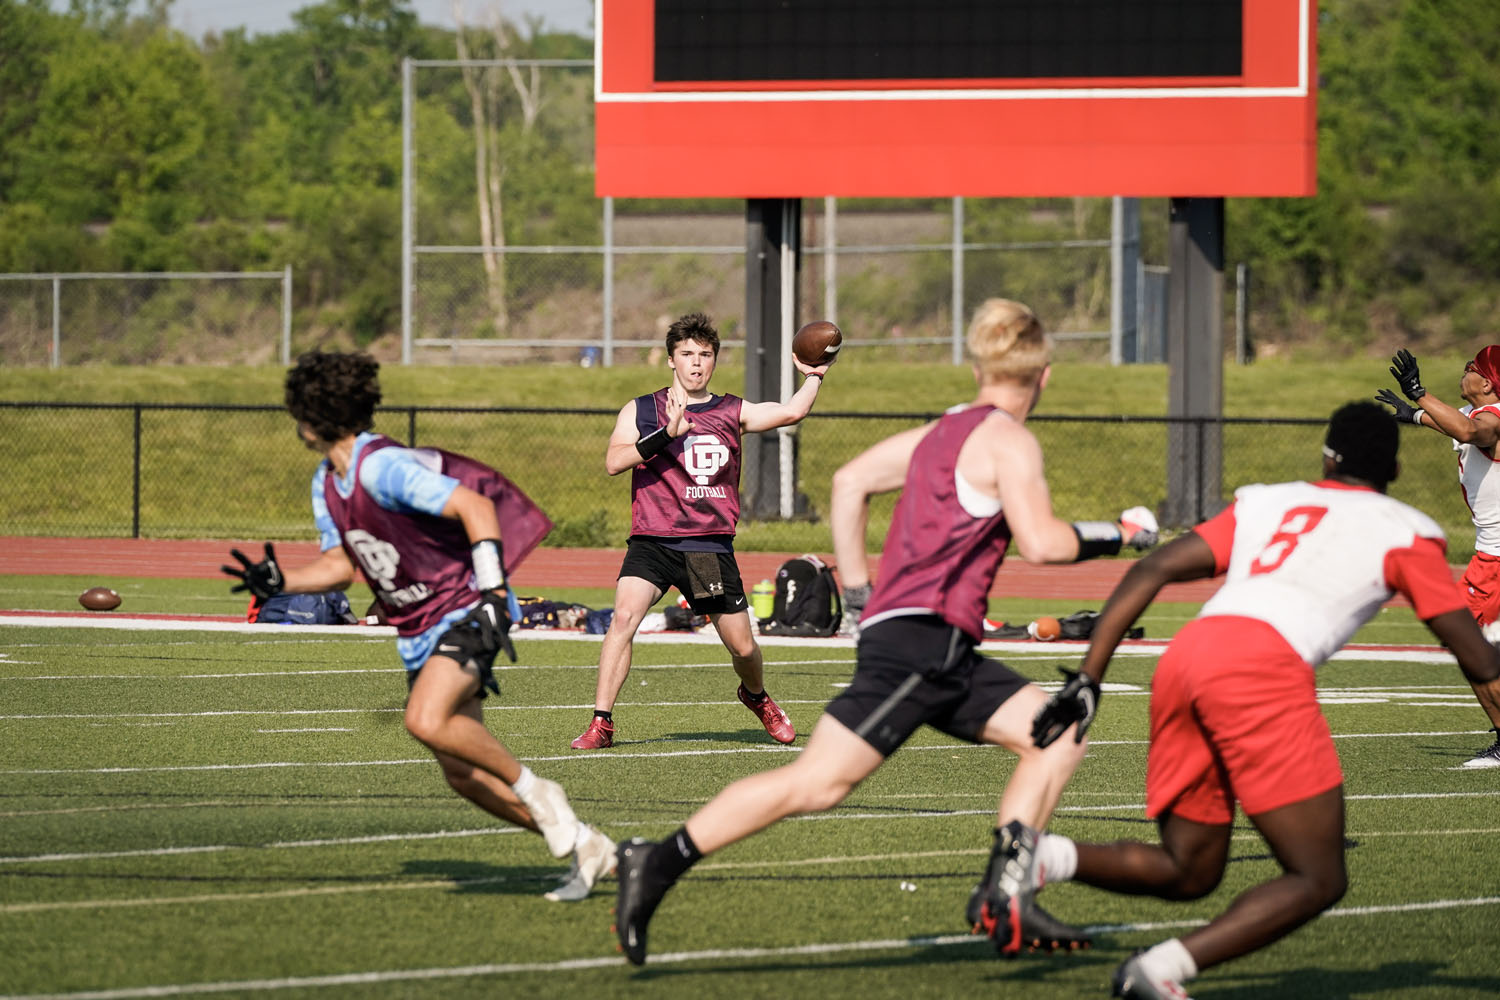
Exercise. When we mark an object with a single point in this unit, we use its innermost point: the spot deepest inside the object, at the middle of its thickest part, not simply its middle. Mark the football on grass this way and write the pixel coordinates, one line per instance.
(99, 599)
(817, 343)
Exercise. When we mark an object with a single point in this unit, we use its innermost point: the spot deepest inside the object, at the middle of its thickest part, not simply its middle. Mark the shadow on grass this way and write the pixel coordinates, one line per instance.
(1392, 978)
(1035, 969)
(487, 879)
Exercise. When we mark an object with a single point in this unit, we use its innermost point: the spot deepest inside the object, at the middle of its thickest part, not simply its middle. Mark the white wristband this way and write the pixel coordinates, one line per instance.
(1416, 417)
(488, 574)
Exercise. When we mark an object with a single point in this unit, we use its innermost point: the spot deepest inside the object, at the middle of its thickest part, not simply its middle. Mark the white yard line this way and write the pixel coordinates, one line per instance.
(665, 958)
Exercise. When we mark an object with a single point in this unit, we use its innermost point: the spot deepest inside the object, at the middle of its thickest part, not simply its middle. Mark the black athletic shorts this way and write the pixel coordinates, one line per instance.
(916, 670)
(667, 568)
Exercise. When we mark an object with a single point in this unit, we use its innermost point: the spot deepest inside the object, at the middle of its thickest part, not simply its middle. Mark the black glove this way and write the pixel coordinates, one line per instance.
(1405, 412)
(1078, 701)
(479, 635)
(263, 579)
(1404, 368)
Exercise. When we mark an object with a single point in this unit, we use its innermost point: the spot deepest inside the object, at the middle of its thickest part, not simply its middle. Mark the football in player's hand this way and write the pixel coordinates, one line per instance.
(817, 343)
(99, 599)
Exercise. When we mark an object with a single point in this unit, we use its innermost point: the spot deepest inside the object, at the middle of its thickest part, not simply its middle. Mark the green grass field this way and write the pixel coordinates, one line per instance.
(243, 815)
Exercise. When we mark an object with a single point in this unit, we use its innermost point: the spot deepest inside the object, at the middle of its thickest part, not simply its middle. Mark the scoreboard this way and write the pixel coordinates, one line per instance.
(889, 98)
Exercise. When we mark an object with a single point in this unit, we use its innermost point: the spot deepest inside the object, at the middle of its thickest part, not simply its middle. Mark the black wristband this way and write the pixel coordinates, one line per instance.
(653, 444)
(1096, 538)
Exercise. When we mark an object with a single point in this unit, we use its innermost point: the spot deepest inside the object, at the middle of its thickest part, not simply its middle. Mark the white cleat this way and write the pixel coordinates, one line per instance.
(1488, 757)
(594, 859)
(548, 805)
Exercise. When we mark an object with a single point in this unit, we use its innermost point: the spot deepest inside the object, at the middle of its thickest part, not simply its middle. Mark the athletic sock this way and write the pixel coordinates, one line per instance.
(523, 785)
(584, 833)
(1169, 960)
(756, 698)
(674, 856)
(1056, 859)
(606, 716)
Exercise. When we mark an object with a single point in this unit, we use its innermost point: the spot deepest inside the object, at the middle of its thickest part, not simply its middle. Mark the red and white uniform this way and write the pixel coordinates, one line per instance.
(1479, 475)
(1234, 712)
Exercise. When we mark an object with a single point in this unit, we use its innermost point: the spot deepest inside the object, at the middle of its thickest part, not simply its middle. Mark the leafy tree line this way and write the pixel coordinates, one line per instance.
(127, 146)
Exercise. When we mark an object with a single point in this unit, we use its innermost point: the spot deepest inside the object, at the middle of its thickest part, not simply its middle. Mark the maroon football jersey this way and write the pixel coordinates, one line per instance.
(938, 558)
(691, 487)
(418, 565)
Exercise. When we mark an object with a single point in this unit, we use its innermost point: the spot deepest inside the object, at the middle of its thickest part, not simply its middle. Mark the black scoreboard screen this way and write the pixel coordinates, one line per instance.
(746, 41)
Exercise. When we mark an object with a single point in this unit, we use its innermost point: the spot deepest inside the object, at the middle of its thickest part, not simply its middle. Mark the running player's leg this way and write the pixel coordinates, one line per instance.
(1307, 838)
(633, 599)
(438, 714)
(1037, 783)
(442, 711)
(834, 761)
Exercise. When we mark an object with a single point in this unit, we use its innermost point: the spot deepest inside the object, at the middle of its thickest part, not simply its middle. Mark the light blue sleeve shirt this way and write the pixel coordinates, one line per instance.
(399, 479)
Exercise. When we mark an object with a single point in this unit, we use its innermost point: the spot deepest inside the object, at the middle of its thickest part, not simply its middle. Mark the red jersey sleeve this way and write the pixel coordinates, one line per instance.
(1218, 532)
(1420, 571)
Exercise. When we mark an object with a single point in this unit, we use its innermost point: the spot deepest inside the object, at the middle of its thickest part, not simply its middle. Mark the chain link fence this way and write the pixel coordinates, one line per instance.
(171, 317)
(530, 266)
(195, 471)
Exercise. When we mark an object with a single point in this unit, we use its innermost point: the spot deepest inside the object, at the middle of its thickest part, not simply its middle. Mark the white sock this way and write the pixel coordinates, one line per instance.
(1056, 859)
(523, 785)
(584, 832)
(1169, 960)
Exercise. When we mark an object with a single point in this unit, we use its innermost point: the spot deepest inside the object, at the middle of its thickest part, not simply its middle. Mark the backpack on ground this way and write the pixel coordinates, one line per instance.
(331, 608)
(807, 600)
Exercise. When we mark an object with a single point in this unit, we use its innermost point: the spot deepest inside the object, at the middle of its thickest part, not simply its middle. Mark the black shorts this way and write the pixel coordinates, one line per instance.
(916, 670)
(666, 568)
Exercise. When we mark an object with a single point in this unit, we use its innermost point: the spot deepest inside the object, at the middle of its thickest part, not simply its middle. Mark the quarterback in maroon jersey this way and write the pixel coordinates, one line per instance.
(681, 445)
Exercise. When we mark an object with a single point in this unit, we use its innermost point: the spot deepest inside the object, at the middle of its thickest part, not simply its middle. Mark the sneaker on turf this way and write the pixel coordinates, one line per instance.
(592, 860)
(771, 716)
(1008, 913)
(1132, 983)
(639, 895)
(1489, 757)
(548, 805)
(599, 734)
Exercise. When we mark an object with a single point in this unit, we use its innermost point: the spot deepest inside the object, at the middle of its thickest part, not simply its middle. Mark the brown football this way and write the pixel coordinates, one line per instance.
(99, 599)
(817, 343)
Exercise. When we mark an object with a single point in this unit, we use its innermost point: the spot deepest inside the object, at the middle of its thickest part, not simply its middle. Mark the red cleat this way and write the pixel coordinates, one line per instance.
(771, 716)
(597, 736)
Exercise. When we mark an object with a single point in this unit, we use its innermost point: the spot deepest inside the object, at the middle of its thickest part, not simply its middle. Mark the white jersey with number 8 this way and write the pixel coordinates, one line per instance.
(1313, 559)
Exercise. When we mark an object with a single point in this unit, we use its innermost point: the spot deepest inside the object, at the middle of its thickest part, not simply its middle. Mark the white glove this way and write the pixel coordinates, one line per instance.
(1139, 528)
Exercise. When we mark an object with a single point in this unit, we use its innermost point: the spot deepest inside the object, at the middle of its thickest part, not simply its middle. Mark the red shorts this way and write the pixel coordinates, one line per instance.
(1482, 587)
(1234, 716)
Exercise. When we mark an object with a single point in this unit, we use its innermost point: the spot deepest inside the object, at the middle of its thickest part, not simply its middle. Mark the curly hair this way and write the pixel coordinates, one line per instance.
(334, 394)
(693, 326)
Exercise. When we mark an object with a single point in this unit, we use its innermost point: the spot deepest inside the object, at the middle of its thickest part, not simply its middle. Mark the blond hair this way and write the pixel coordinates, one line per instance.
(1007, 341)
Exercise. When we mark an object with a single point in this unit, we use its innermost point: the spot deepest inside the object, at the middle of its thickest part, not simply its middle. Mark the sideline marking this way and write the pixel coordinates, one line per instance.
(821, 817)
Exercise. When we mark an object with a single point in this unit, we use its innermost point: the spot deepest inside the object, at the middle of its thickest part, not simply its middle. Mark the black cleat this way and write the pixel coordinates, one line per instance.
(638, 898)
(1132, 983)
(1007, 912)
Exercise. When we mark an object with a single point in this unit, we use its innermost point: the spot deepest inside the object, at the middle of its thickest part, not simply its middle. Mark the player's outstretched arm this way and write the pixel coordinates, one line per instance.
(1482, 430)
(1187, 557)
(332, 570)
(771, 415)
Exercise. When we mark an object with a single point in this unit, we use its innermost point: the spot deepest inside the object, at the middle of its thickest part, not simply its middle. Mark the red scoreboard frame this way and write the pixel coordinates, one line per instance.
(1250, 135)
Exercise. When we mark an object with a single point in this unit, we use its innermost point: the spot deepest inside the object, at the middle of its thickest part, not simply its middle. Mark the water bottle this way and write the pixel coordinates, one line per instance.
(763, 599)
